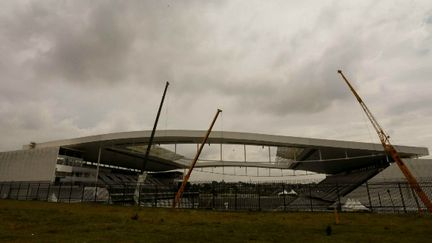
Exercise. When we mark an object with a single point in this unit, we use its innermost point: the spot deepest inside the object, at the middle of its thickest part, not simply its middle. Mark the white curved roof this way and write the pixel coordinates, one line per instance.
(114, 151)
(196, 136)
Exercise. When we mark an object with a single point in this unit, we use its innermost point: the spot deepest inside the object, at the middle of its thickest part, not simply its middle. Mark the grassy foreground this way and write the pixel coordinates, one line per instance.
(56, 222)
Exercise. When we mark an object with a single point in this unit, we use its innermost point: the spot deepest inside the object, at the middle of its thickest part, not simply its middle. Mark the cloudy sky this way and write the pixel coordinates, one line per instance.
(77, 68)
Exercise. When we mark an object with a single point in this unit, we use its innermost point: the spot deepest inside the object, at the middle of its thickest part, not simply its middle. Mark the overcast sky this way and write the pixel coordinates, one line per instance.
(77, 68)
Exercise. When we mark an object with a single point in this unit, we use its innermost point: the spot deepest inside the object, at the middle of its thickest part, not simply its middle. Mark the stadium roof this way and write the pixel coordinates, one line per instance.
(319, 155)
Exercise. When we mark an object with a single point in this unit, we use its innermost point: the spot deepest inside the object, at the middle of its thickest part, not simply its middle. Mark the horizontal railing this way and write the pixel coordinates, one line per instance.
(389, 197)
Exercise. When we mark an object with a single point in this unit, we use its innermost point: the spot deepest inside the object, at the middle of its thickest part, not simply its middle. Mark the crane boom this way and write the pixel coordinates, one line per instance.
(142, 177)
(194, 161)
(390, 149)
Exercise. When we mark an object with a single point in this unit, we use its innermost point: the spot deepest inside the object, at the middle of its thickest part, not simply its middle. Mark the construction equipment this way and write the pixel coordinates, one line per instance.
(390, 150)
(142, 177)
(154, 129)
(194, 161)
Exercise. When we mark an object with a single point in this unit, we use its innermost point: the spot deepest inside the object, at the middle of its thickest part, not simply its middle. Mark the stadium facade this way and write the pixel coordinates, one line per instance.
(118, 158)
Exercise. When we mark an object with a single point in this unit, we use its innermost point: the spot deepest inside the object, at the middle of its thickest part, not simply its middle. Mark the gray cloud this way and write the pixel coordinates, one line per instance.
(79, 68)
(103, 41)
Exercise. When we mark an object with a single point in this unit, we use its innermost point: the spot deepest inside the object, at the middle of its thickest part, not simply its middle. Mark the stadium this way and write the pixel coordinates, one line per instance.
(106, 167)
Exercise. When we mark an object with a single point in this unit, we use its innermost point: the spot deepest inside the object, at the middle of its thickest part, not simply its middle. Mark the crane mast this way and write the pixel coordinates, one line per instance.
(142, 177)
(194, 161)
(390, 149)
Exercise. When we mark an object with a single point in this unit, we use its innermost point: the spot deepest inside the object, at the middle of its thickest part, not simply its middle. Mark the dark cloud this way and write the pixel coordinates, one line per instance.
(98, 50)
(104, 41)
(80, 68)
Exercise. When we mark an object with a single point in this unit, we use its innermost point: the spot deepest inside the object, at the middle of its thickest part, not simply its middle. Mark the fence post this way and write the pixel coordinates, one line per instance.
(1, 191)
(369, 197)
(82, 192)
(124, 194)
(310, 197)
(109, 189)
(259, 197)
(48, 191)
(37, 192)
(70, 193)
(379, 199)
(193, 199)
(284, 196)
(339, 204)
(235, 197)
(28, 189)
(172, 192)
(139, 194)
(18, 192)
(9, 191)
(155, 194)
(391, 200)
(402, 197)
(59, 192)
(213, 195)
(95, 191)
(415, 198)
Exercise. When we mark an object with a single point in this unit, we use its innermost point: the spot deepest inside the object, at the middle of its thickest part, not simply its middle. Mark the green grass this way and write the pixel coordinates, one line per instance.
(56, 222)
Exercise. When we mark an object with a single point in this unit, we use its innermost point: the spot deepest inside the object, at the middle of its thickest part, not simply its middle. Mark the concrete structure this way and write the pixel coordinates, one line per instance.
(117, 159)
(29, 165)
(73, 158)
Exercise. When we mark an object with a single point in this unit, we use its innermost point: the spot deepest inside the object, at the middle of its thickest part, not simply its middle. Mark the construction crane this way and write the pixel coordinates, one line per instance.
(390, 150)
(194, 161)
(142, 177)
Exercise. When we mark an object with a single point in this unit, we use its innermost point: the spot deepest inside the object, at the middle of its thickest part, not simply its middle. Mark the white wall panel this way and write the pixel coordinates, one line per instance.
(29, 165)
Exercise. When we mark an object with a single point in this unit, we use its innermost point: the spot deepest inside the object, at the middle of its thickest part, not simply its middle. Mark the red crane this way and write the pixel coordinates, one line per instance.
(194, 161)
(390, 150)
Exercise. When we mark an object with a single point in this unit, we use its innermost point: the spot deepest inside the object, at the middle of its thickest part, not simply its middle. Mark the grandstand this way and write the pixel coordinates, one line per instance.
(114, 161)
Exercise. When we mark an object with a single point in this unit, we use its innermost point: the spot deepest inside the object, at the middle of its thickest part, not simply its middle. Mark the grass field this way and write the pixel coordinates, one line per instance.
(23, 221)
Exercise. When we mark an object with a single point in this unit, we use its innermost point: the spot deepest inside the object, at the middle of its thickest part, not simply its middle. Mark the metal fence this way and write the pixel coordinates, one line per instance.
(391, 197)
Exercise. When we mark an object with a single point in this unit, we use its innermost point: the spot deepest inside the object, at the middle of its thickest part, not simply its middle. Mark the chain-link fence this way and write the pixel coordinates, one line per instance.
(392, 197)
